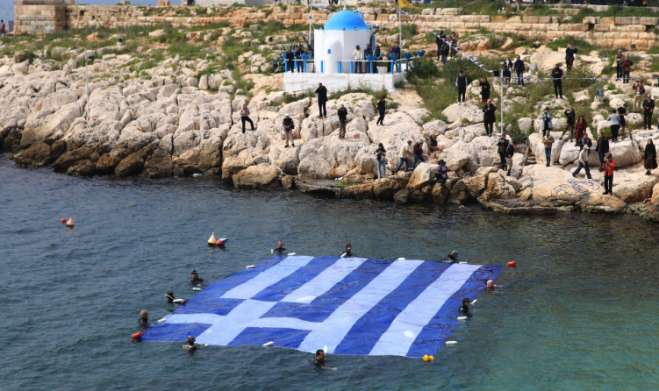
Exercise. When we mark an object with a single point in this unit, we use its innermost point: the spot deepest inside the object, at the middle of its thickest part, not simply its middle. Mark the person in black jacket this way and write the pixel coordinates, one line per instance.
(518, 65)
(557, 79)
(288, 130)
(602, 149)
(570, 119)
(505, 72)
(321, 92)
(485, 90)
(343, 120)
(502, 147)
(569, 56)
(461, 83)
(648, 108)
(489, 117)
(381, 110)
(650, 157)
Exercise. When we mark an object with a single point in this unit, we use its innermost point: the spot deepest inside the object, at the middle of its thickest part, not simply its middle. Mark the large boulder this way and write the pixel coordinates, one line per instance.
(555, 185)
(36, 155)
(545, 58)
(258, 176)
(464, 113)
(633, 185)
(422, 175)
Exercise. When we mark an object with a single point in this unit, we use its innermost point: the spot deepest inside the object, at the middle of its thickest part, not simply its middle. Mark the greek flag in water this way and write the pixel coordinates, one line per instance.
(349, 306)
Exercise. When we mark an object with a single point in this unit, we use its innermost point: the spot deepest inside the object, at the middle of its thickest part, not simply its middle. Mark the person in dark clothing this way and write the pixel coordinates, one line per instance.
(648, 109)
(299, 63)
(489, 117)
(289, 61)
(452, 256)
(510, 151)
(548, 142)
(442, 172)
(546, 122)
(288, 130)
(439, 41)
(418, 154)
(485, 90)
(570, 119)
(461, 83)
(343, 120)
(321, 93)
(614, 124)
(626, 69)
(244, 117)
(319, 358)
(465, 308)
(190, 346)
(622, 111)
(619, 59)
(518, 65)
(171, 298)
(609, 168)
(650, 157)
(381, 158)
(279, 248)
(195, 280)
(506, 74)
(143, 320)
(557, 79)
(602, 149)
(502, 146)
(381, 110)
(348, 250)
(569, 56)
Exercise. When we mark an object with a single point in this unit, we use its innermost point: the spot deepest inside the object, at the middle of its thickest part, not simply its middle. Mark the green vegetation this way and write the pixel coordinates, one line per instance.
(409, 31)
(580, 44)
(614, 11)
(654, 65)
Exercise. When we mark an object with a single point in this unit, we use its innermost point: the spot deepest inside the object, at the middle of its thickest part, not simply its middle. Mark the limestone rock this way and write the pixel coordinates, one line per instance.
(258, 176)
(463, 113)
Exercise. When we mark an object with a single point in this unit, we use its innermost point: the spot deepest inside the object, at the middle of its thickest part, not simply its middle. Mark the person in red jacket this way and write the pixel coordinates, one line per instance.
(609, 168)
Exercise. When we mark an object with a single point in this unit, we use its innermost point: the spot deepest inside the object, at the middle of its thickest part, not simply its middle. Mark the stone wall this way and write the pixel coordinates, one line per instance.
(602, 31)
(39, 18)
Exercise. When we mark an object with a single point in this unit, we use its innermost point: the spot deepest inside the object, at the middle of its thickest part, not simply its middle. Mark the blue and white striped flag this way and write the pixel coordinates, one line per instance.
(349, 306)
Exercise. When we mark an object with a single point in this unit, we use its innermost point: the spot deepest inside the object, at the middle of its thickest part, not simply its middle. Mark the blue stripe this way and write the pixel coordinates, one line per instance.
(256, 336)
(367, 331)
(208, 304)
(278, 291)
(431, 339)
(324, 305)
(170, 332)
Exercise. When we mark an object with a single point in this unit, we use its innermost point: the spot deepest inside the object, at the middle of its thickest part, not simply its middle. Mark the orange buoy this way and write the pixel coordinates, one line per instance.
(62, 220)
(70, 223)
(136, 336)
(511, 264)
(215, 242)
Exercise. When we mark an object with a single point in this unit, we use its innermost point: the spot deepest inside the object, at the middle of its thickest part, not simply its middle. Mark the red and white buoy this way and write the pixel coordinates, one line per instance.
(70, 223)
(511, 264)
(213, 241)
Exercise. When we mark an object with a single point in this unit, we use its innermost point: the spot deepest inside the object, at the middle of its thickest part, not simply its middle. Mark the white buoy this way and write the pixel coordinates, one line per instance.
(462, 318)
(451, 342)
(250, 266)
(268, 344)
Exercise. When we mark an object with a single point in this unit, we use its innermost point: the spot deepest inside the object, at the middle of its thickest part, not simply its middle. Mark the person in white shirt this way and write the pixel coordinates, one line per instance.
(405, 156)
(357, 56)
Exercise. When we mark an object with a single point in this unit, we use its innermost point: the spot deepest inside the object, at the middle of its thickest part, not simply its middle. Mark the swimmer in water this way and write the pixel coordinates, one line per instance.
(319, 360)
(279, 248)
(195, 280)
(465, 308)
(348, 250)
(453, 256)
(143, 320)
(190, 345)
(171, 299)
(490, 285)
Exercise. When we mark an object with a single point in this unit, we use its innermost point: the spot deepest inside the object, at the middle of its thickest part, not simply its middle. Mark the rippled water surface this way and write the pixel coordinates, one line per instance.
(581, 312)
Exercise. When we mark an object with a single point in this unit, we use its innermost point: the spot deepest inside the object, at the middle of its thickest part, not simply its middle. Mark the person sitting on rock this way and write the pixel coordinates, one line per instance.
(288, 130)
(548, 141)
(650, 157)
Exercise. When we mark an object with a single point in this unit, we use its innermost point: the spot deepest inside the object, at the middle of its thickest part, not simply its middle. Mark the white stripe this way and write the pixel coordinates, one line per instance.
(408, 324)
(332, 331)
(266, 278)
(324, 281)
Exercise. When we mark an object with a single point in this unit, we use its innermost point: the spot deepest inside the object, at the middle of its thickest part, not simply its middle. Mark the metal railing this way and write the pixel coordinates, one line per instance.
(368, 66)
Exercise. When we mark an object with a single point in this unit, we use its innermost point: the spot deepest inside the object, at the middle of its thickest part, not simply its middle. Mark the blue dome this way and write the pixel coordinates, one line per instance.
(346, 20)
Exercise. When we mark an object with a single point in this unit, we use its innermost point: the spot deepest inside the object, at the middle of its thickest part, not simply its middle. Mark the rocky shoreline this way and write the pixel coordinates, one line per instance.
(183, 121)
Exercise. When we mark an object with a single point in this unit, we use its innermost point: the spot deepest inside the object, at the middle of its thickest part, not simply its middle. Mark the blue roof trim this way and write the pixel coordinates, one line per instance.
(346, 20)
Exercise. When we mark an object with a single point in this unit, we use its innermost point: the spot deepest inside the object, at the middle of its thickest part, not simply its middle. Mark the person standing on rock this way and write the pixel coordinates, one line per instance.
(506, 73)
(485, 90)
(546, 122)
(381, 158)
(557, 79)
(650, 157)
(489, 117)
(321, 93)
(609, 168)
(639, 94)
(288, 130)
(548, 141)
(382, 107)
(442, 172)
(518, 65)
(461, 83)
(602, 149)
(244, 117)
(3, 27)
(622, 111)
(619, 59)
(343, 120)
(626, 69)
(569, 56)
(357, 57)
(580, 128)
(648, 109)
(584, 154)
(510, 151)
(502, 147)
(405, 155)
(570, 119)
(614, 124)
(418, 154)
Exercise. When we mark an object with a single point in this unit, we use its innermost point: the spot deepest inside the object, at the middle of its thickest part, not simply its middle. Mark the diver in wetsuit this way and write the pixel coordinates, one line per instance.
(453, 256)
(195, 280)
(279, 249)
(319, 359)
(465, 308)
(348, 250)
(143, 320)
(169, 296)
(190, 345)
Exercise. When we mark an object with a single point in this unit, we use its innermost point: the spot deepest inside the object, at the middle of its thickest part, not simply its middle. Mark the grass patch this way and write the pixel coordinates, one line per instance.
(580, 44)
(409, 31)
